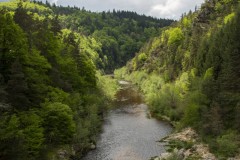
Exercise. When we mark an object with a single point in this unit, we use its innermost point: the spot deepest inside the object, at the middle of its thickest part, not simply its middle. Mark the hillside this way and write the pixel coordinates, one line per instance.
(190, 74)
(52, 92)
(120, 33)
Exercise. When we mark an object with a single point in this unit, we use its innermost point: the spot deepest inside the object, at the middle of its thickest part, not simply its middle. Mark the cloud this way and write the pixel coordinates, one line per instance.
(167, 10)
(173, 8)
(156, 8)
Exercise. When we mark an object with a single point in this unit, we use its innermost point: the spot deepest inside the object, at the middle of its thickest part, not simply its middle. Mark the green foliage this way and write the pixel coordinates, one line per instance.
(12, 42)
(139, 61)
(50, 93)
(191, 115)
(228, 144)
(142, 57)
(10, 134)
(175, 36)
(120, 73)
(56, 95)
(179, 145)
(186, 22)
(12, 5)
(183, 84)
(208, 74)
(228, 18)
(58, 123)
(33, 133)
(109, 84)
(17, 87)
(25, 132)
(120, 33)
(163, 98)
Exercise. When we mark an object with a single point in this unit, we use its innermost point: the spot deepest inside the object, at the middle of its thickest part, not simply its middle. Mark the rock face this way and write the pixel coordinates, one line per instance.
(64, 153)
(196, 150)
(202, 151)
(187, 135)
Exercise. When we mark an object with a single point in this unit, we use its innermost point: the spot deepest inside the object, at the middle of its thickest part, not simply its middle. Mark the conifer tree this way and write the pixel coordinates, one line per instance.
(17, 87)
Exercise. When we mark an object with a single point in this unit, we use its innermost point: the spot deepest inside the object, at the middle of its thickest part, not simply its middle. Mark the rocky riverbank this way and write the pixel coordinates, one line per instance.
(185, 145)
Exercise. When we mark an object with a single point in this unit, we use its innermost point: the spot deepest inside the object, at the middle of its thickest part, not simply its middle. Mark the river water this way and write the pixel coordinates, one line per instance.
(128, 132)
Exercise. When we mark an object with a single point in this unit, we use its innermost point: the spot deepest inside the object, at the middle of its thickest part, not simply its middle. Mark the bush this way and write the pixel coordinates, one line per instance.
(175, 36)
(179, 145)
(228, 144)
(191, 116)
(21, 135)
(33, 133)
(58, 123)
(107, 85)
(142, 57)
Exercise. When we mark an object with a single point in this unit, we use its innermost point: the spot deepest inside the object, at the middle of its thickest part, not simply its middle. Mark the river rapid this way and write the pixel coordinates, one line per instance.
(128, 132)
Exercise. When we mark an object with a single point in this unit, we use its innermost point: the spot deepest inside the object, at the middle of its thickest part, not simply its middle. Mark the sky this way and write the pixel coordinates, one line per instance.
(171, 9)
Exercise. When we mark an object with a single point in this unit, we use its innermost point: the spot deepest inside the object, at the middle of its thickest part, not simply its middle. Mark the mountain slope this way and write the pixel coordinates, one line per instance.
(121, 33)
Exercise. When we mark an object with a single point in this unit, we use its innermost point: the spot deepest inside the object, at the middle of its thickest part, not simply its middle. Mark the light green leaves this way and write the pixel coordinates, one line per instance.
(175, 36)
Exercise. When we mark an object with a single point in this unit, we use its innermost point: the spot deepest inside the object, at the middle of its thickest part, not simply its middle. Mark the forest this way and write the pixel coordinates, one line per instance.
(190, 75)
(53, 92)
(53, 60)
(121, 33)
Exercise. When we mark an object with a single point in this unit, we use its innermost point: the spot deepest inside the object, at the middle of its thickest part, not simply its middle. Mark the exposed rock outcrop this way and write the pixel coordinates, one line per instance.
(187, 146)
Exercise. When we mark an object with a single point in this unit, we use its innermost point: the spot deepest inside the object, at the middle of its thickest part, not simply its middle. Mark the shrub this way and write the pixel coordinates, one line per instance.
(228, 144)
(175, 36)
(58, 123)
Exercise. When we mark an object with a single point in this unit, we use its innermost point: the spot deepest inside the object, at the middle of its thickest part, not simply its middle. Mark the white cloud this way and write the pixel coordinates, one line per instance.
(171, 9)
(156, 8)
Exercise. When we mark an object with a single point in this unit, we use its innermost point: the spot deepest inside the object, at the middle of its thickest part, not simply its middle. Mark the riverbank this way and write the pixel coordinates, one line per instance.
(186, 145)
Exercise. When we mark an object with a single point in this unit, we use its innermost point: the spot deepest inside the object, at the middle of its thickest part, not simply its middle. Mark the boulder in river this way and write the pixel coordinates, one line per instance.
(92, 146)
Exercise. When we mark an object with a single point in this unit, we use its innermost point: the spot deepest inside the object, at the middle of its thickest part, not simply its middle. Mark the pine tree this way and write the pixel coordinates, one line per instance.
(55, 25)
(22, 18)
(17, 88)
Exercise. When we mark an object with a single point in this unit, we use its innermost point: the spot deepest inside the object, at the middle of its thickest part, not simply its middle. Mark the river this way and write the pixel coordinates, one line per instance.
(128, 132)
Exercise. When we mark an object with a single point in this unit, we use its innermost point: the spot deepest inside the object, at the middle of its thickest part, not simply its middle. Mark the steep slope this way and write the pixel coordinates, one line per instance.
(51, 95)
(190, 73)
